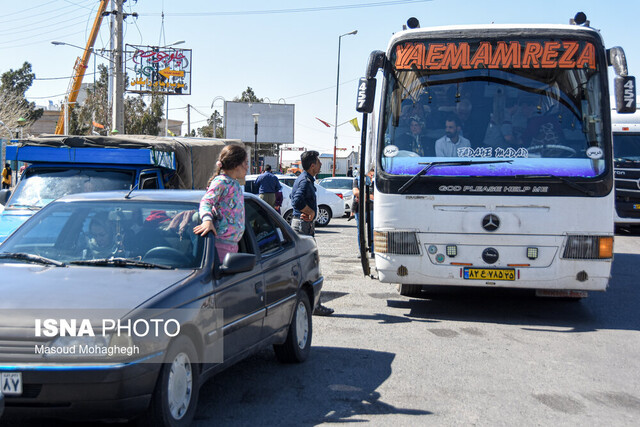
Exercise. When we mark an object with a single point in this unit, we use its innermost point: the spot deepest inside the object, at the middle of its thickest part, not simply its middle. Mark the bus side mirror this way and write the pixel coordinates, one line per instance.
(366, 95)
(625, 93)
(624, 84)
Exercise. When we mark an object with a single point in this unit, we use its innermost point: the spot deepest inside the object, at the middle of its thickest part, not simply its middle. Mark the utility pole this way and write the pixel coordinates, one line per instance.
(118, 89)
(189, 120)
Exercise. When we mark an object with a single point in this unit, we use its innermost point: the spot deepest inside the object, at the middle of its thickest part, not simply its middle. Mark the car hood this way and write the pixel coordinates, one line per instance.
(80, 287)
(12, 219)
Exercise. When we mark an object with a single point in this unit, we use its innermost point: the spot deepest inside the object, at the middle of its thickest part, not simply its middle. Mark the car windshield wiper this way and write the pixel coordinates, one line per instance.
(429, 165)
(31, 258)
(30, 207)
(561, 179)
(121, 262)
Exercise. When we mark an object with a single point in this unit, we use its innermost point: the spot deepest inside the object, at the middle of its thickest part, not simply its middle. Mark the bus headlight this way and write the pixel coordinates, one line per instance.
(588, 247)
(396, 242)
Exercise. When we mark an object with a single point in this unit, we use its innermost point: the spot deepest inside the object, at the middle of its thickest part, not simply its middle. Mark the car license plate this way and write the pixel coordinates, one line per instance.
(11, 383)
(489, 274)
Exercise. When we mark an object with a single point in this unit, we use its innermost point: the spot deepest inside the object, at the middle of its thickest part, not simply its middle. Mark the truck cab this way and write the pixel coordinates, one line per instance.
(47, 177)
(626, 150)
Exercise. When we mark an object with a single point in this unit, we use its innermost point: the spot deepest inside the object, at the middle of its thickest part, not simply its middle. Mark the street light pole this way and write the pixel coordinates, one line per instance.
(255, 146)
(335, 134)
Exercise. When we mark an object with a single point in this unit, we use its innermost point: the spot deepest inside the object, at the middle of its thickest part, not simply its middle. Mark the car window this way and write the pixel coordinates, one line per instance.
(269, 235)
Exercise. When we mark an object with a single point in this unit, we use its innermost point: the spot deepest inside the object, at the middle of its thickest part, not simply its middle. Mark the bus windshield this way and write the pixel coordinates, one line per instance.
(533, 105)
(626, 146)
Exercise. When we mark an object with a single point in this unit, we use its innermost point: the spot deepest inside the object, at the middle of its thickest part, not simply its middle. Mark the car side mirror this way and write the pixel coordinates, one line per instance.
(237, 263)
(4, 196)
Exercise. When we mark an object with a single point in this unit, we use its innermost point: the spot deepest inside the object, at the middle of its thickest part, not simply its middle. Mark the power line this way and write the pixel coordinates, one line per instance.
(41, 41)
(5, 42)
(32, 25)
(31, 16)
(67, 77)
(293, 10)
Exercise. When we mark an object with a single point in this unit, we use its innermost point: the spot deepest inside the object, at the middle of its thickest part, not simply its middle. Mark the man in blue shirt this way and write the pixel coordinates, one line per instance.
(268, 185)
(305, 205)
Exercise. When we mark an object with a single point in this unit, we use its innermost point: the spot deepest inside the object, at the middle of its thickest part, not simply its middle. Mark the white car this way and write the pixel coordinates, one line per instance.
(342, 186)
(329, 204)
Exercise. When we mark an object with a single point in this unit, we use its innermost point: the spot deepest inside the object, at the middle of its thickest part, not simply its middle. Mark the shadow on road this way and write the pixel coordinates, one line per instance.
(617, 308)
(333, 385)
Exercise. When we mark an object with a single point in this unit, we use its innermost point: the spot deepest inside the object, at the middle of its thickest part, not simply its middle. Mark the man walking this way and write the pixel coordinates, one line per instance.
(305, 206)
(268, 185)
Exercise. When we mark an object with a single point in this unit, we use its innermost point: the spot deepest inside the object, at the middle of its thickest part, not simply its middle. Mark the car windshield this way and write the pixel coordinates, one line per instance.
(445, 101)
(119, 233)
(40, 186)
(336, 183)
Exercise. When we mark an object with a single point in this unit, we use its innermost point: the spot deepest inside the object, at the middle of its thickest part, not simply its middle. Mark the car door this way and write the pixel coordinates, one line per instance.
(241, 296)
(279, 265)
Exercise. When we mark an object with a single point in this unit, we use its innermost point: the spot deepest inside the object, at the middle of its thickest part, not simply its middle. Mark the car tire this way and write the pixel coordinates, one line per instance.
(175, 397)
(410, 290)
(324, 216)
(288, 216)
(297, 346)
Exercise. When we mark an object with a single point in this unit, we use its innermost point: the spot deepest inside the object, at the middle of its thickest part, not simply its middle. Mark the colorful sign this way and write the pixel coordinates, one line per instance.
(159, 70)
(495, 55)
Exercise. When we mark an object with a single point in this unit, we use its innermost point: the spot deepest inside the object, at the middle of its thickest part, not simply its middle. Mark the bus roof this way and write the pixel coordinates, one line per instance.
(516, 28)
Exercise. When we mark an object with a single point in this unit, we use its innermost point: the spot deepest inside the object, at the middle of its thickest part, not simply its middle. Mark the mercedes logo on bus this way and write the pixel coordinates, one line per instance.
(490, 255)
(490, 222)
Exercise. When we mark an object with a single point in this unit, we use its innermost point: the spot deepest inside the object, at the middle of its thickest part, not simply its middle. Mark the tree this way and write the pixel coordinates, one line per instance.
(207, 131)
(248, 96)
(18, 81)
(13, 104)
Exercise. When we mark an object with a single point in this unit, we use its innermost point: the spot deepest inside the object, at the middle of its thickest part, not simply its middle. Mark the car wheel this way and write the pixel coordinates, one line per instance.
(288, 216)
(298, 344)
(324, 216)
(410, 290)
(175, 398)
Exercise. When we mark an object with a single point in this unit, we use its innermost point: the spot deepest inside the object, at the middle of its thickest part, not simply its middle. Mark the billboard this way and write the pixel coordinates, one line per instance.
(163, 70)
(275, 122)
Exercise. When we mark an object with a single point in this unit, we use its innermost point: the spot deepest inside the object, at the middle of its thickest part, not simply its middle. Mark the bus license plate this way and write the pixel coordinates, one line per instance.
(489, 274)
(11, 383)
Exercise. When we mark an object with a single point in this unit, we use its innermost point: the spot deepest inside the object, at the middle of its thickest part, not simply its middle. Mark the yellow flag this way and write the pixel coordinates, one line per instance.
(354, 122)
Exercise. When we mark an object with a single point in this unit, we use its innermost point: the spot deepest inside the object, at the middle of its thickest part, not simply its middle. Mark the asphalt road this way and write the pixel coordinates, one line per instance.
(453, 357)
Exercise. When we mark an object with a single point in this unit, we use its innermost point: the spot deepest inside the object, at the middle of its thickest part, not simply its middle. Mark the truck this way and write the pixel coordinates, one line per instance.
(493, 157)
(626, 156)
(61, 165)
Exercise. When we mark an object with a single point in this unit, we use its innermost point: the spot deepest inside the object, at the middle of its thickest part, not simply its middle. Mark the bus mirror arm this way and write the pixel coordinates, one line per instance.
(376, 61)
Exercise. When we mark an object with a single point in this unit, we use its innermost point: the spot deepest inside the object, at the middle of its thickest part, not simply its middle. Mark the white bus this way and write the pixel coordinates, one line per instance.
(626, 153)
(493, 157)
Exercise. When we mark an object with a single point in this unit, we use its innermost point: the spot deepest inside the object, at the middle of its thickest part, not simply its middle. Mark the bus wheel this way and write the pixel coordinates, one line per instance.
(410, 290)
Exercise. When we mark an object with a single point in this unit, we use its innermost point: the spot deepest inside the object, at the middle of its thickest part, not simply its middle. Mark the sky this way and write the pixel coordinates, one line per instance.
(287, 51)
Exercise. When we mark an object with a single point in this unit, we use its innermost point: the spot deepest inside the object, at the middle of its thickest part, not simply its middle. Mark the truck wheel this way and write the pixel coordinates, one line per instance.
(175, 398)
(324, 216)
(298, 344)
(410, 290)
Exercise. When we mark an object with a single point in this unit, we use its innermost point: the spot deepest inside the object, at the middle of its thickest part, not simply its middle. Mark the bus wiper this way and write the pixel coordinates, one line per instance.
(121, 262)
(561, 179)
(628, 159)
(429, 165)
(31, 258)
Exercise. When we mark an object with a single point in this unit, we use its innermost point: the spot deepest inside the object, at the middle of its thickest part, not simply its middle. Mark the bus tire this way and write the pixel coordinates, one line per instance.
(409, 290)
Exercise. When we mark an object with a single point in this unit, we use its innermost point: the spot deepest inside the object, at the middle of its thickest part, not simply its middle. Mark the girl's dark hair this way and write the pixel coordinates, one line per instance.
(231, 156)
